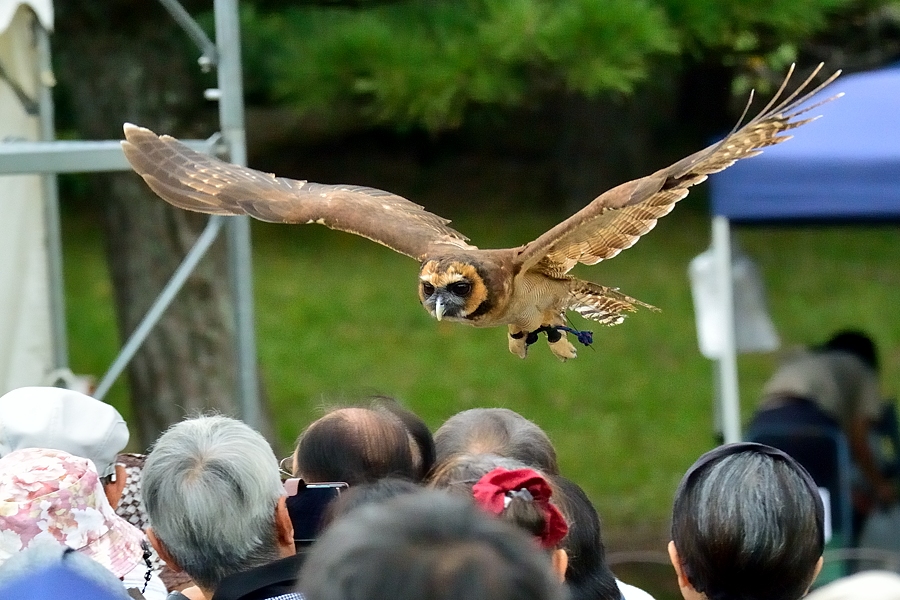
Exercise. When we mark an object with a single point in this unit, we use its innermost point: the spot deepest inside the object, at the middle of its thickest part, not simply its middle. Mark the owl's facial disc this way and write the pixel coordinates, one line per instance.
(451, 291)
(448, 300)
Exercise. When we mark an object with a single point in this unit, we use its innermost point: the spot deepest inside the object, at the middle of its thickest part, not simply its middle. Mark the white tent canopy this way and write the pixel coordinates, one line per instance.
(42, 9)
(26, 345)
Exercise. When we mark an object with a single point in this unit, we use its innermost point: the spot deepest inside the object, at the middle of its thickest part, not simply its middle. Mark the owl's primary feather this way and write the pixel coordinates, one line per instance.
(616, 219)
(527, 288)
(195, 181)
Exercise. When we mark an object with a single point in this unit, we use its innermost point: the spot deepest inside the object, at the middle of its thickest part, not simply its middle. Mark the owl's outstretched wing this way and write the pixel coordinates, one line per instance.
(195, 181)
(616, 220)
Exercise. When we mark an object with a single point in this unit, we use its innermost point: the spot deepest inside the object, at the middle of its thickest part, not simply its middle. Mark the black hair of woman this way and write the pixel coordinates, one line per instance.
(747, 524)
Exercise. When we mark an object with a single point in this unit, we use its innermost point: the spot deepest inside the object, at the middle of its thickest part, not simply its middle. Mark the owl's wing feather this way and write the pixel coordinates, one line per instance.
(616, 219)
(195, 181)
(602, 304)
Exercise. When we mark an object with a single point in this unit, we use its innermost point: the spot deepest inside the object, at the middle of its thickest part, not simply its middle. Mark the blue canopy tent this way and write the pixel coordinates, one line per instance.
(842, 167)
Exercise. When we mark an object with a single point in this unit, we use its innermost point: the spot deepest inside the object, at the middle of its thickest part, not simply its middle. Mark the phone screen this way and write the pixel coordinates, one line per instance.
(306, 504)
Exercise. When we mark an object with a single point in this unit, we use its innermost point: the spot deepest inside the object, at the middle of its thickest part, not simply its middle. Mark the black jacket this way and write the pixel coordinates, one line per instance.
(268, 581)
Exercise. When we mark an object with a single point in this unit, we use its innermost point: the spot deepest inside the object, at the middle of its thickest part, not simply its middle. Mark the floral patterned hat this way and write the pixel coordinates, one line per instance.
(52, 495)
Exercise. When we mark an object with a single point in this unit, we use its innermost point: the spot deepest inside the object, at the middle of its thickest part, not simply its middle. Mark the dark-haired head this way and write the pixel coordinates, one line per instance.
(588, 577)
(747, 524)
(427, 545)
(355, 445)
(856, 343)
(422, 440)
(497, 431)
(368, 493)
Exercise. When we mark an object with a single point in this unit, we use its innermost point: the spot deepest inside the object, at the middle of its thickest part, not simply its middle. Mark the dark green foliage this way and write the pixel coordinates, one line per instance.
(747, 25)
(425, 64)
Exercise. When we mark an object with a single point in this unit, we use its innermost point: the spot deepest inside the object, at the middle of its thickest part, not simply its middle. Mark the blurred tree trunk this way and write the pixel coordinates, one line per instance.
(126, 60)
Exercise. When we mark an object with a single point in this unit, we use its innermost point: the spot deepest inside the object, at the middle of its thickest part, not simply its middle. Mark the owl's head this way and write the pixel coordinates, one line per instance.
(452, 289)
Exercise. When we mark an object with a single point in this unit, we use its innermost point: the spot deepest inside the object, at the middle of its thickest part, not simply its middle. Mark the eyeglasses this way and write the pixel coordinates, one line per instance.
(286, 466)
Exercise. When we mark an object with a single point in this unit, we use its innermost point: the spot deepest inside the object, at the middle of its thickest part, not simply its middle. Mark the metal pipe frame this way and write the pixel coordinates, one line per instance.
(50, 157)
(210, 56)
(53, 233)
(65, 156)
(231, 120)
(159, 306)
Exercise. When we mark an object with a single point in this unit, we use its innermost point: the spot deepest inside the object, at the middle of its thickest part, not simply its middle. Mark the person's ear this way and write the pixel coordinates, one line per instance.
(560, 561)
(284, 528)
(816, 571)
(162, 551)
(115, 488)
(687, 590)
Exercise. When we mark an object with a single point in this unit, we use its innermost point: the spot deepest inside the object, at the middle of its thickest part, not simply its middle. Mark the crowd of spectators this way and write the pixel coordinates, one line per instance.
(478, 511)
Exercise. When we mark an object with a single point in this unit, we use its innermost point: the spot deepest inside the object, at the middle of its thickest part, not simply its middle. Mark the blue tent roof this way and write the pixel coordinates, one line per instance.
(846, 165)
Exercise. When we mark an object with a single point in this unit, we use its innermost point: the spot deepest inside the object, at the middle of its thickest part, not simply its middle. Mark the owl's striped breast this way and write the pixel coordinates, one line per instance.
(532, 297)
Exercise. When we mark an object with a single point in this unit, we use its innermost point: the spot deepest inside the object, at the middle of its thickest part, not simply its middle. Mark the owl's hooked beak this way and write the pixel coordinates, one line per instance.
(443, 304)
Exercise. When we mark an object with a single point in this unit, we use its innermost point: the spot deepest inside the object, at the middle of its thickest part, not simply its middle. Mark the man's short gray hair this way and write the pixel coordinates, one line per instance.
(210, 486)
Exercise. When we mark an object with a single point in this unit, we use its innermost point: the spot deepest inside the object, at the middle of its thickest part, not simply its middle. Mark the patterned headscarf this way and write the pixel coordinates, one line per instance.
(52, 495)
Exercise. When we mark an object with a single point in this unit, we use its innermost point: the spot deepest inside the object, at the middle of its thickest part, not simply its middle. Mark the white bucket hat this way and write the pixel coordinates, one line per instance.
(50, 417)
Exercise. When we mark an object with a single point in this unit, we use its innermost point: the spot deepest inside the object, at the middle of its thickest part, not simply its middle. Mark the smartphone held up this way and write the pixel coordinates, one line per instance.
(306, 504)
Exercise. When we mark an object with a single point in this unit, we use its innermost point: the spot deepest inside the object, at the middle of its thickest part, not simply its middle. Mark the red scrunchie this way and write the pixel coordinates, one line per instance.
(492, 490)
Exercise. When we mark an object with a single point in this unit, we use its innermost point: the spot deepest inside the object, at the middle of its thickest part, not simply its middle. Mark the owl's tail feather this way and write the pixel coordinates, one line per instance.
(602, 304)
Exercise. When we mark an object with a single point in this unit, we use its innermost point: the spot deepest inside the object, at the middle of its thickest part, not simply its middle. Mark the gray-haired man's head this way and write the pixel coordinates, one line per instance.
(214, 496)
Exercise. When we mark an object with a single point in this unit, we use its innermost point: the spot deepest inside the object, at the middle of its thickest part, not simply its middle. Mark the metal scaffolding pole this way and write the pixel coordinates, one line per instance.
(50, 186)
(50, 157)
(184, 19)
(231, 118)
(159, 306)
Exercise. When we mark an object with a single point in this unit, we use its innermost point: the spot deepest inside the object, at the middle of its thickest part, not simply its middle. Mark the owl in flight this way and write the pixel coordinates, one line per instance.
(527, 288)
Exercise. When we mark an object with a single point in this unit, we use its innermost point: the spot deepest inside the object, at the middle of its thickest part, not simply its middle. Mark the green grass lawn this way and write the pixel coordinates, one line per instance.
(338, 318)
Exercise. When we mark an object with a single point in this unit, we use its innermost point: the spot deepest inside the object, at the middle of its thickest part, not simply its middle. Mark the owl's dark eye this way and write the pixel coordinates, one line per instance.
(427, 288)
(461, 288)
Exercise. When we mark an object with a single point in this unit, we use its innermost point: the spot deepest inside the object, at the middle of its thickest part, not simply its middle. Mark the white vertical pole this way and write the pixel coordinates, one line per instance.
(231, 117)
(727, 371)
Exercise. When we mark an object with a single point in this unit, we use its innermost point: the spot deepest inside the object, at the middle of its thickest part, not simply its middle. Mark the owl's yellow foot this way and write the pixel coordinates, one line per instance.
(563, 349)
(517, 342)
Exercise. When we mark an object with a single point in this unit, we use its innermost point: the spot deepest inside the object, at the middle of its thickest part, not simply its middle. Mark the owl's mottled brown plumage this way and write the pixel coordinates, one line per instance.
(526, 288)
